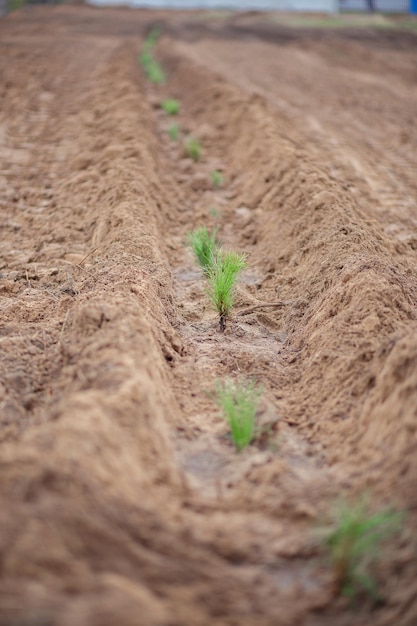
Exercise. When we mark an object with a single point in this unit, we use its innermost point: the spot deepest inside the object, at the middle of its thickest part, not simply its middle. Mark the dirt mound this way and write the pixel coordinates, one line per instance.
(125, 500)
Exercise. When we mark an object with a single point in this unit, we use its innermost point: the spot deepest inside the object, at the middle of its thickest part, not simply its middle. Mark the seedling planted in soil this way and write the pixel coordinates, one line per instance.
(238, 402)
(151, 67)
(145, 59)
(174, 132)
(154, 72)
(222, 278)
(204, 245)
(216, 178)
(193, 148)
(215, 213)
(151, 39)
(353, 545)
(170, 106)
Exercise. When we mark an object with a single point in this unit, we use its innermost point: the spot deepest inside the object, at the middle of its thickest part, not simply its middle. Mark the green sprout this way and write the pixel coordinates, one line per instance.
(193, 148)
(204, 246)
(222, 277)
(217, 178)
(151, 39)
(145, 59)
(154, 72)
(173, 132)
(151, 67)
(215, 213)
(170, 106)
(353, 545)
(238, 403)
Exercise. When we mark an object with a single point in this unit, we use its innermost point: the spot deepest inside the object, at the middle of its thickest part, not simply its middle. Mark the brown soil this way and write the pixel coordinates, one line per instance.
(123, 500)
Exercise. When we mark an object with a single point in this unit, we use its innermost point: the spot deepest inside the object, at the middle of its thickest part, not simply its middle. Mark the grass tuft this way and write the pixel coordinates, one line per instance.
(222, 278)
(170, 106)
(145, 59)
(151, 39)
(193, 148)
(353, 545)
(151, 67)
(215, 213)
(204, 246)
(155, 73)
(217, 178)
(238, 402)
(174, 132)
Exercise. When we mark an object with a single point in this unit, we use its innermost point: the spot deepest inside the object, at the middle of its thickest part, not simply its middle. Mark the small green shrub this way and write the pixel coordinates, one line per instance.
(222, 278)
(193, 148)
(174, 132)
(216, 178)
(204, 245)
(170, 106)
(353, 545)
(238, 403)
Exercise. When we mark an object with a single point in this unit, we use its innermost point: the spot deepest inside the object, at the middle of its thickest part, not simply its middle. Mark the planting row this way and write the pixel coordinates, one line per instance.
(355, 533)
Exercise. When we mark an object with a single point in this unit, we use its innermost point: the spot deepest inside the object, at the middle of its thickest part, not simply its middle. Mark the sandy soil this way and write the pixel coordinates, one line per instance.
(123, 500)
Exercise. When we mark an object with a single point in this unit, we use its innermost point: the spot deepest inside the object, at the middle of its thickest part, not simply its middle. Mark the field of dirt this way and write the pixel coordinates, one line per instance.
(123, 501)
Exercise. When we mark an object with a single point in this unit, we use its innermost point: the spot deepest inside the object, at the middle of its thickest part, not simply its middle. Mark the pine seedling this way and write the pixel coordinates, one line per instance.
(204, 246)
(216, 178)
(353, 545)
(151, 39)
(170, 106)
(193, 148)
(215, 213)
(154, 72)
(145, 59)
(238, 402)
(222, 278)
(174, 132)
(152, 68)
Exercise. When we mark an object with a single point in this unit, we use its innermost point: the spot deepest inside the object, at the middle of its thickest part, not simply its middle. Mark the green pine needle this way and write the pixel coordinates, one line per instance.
(170, 106)
(145, 58)
(222, 279)
(151, 39)
(204, 245)
(154, 72)
(174, 132)
(193, 148)
(238, 403)
(152, 68)
(354, 542)
(216, 178)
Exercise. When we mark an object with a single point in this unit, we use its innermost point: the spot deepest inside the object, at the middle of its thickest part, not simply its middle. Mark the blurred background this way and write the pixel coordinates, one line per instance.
(323, 6)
